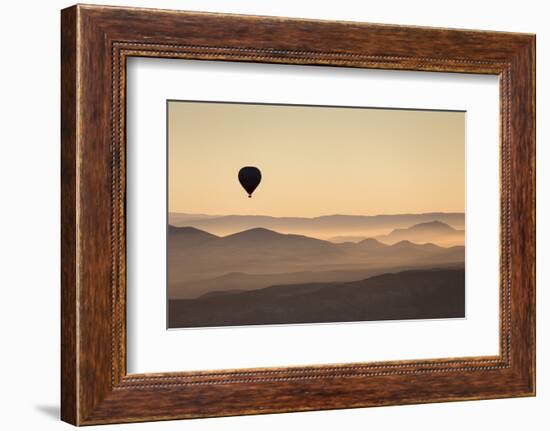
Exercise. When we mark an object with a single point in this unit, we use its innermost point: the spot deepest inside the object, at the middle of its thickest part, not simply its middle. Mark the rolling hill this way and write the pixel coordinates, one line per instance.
(417, 294)
(199, 262)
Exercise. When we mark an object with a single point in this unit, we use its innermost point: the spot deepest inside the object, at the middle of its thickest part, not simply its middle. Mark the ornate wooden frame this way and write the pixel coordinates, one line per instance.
(96, 41)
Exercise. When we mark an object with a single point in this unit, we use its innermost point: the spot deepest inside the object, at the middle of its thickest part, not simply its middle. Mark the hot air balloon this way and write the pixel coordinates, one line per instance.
(250, 177)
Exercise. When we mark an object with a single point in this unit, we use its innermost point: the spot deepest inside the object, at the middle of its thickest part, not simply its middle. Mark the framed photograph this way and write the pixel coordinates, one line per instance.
(279, 259)
(264, 215)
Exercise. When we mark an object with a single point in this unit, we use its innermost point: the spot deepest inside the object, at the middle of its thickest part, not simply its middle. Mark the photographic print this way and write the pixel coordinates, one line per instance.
(300, 214)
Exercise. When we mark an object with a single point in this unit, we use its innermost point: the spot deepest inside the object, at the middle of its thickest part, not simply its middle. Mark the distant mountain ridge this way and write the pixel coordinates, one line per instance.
(258, 237)
(323, 226)
(263, 234)
(436, 231)
(196, 257)
(431, 226)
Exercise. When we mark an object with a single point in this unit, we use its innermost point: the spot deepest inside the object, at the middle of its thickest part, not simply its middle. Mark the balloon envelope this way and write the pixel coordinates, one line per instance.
(250, 177)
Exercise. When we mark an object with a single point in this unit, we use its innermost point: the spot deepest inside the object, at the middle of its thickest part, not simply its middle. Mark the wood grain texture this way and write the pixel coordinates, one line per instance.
(69, 366)
(96, 41)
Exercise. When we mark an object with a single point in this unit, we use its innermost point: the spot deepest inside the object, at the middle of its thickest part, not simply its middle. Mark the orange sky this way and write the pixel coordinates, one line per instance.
(314, 160)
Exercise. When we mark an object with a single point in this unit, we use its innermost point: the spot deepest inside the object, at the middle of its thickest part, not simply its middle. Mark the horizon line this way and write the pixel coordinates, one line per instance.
(319, 216)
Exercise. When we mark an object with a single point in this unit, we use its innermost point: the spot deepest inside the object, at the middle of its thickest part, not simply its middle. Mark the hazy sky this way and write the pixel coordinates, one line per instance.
(314, 160)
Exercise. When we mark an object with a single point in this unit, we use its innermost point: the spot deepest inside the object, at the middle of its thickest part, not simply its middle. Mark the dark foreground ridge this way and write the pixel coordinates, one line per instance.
(415, 294)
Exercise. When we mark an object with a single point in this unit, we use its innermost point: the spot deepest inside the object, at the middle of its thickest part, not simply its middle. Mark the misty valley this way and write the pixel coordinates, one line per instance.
(254, 270)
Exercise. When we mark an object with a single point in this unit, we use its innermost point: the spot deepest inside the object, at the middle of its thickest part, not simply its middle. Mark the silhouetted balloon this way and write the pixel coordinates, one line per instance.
(250, 177)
